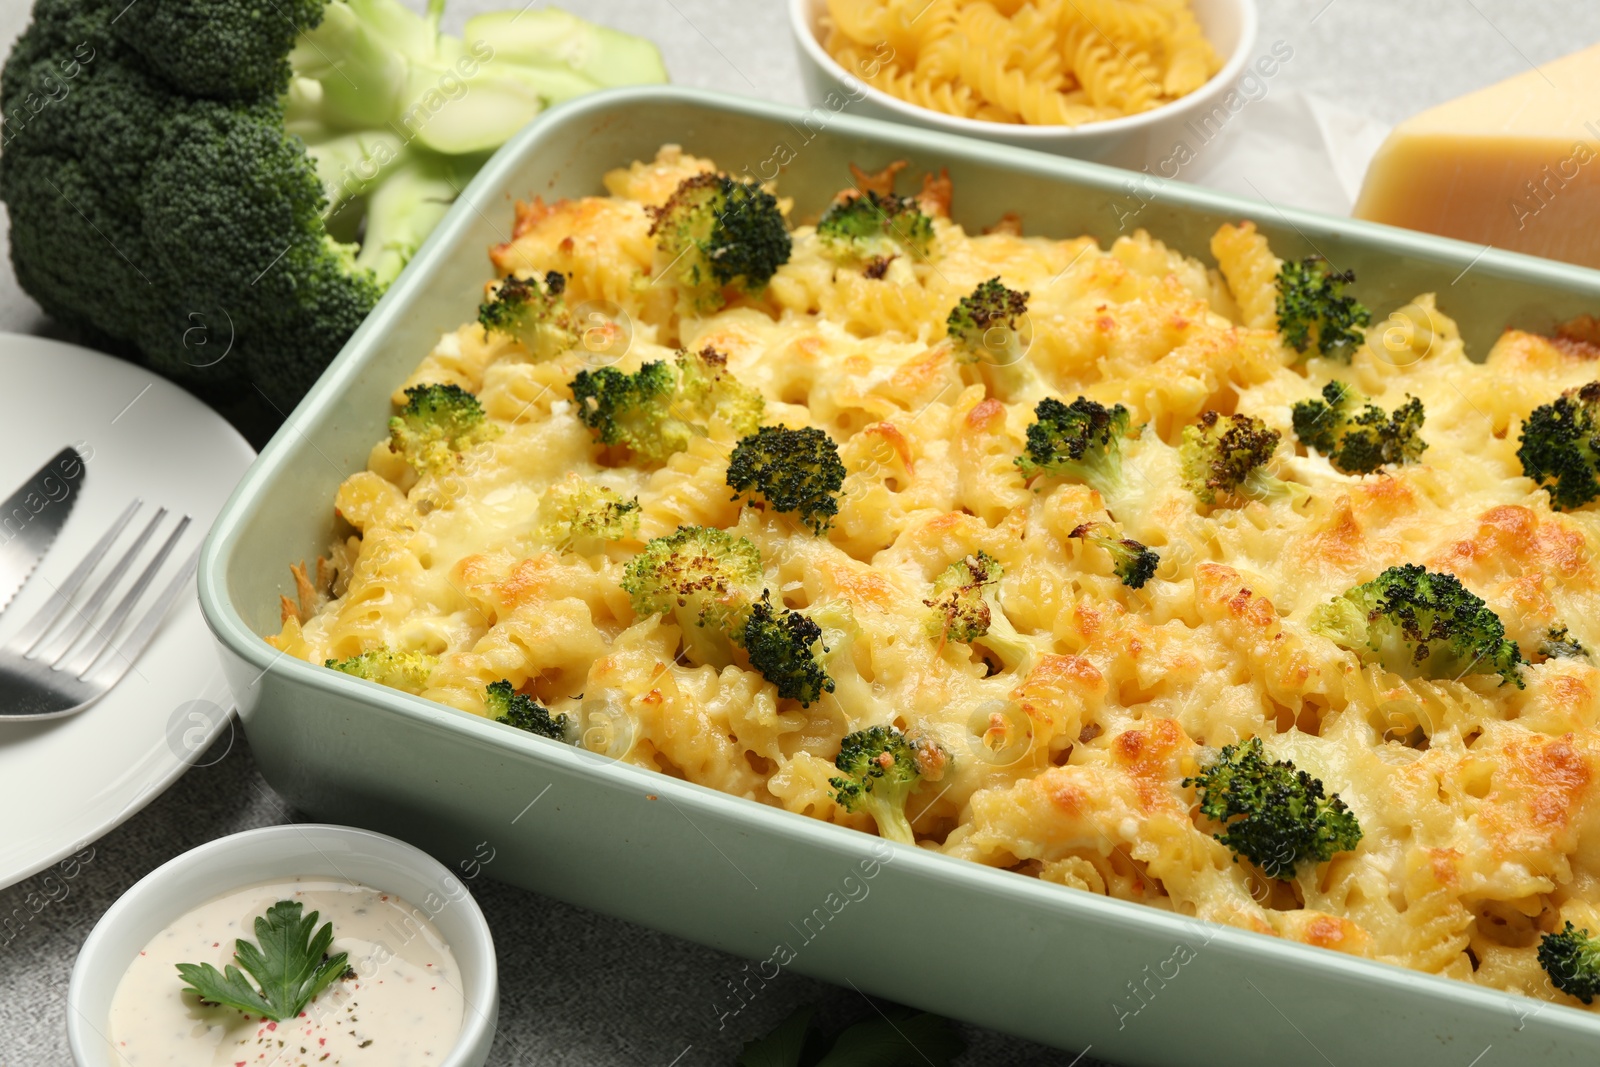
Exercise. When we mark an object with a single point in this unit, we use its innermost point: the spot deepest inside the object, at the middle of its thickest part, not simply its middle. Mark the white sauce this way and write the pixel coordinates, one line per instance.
(403, 1008)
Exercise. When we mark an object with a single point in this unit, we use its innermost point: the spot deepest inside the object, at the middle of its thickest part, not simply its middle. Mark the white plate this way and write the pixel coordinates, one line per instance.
(65, 782)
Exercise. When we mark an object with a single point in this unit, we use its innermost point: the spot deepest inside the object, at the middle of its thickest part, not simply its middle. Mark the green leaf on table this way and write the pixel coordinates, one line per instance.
(895, 1037)
(290, 965)
(792, 1043)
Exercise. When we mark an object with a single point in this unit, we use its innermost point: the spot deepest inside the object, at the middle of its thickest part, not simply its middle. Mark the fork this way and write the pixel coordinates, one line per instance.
(65, 657)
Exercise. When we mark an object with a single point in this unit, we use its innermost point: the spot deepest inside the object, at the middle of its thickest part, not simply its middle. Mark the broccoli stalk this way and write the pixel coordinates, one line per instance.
(877, 231)
(660, 408)
(1572, 960)
(1131, 561)
(786, 647)
(1560, 447)
(437, 424)
(1417, 622)
(532, 312)
(719, 238)
(793, 471)
(706, 580)
(990, 327)
(504, 704)
(1273, 815)
(581, 516)
(965, 608)
(1355, 434)
(1227, 455)
(1081, 440)
(397, 670)
(878, 773)
(1314, 309)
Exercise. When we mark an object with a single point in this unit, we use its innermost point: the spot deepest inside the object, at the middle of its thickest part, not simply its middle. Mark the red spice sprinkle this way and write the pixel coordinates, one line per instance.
(272, 1026)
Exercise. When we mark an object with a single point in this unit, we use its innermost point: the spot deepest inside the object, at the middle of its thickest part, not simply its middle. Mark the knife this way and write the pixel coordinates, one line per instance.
(31, 518)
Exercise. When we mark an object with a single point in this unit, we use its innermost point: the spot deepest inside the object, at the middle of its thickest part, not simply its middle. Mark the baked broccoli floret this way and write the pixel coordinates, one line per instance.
(1558, 644)
(878, 773)
(786, 647)
(1314, 309)
(989, 327)
(397, 670)
(1227, 455)
(1355, 434)
(1417, 622)
(1134, 563)
(705, 579)
(437, 424)
(506, 705)
(876, 229)
(1081, 440)
(719, 237)
(1572, 960)
(581, 516)
(965, 608)
(1273, 815)
(531, 311)
(659, 408)
(794, 471)
(1560, 447)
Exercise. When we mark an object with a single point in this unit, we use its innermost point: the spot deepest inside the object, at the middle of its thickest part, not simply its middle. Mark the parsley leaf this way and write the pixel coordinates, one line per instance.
(290, 965)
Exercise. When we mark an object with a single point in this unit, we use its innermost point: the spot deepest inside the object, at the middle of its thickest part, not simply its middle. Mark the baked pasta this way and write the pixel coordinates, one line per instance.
(1293, 545)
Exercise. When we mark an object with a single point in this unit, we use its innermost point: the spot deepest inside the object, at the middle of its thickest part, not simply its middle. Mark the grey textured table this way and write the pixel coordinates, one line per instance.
(580, 988)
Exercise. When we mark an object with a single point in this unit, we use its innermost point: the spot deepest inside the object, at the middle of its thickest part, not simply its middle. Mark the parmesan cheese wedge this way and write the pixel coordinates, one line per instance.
(1513, 165)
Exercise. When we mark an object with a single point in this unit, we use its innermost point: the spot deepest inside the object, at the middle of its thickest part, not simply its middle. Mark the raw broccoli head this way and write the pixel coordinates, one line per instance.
(397, 670)
(720, 235)
(1081, 440)
(705, 578)
(1560, 447)
(986, 325)
(1225, 456)
(582, 516)
(960, 604)
(878, 773)
(437, 424)
(1314, 309)
(1417, 622)
(786, 647)
(1273, 815)
(506, 705)
(531, 311)
(876, 228)
(660, 408)
(1572, 960)
(1355, 434)
(1132, 562)
(794, 471)
(1558, 644)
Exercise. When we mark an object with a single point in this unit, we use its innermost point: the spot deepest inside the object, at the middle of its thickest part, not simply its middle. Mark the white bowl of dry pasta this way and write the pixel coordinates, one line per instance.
(1110, 80)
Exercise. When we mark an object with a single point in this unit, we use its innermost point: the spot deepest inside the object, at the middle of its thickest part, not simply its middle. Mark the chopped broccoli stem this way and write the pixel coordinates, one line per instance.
(871, 228)
(786, 647)
(705, 579)
(660, 408)
(879, 770)
(1355, 434)
(1131, 561)
(1273, 815)
(397, 670)
(437, 424)
(532, 312)
(1313, 308)
(721, 237)
(1420, 623)
(1226, 456)
(505, 704)
(1560, 447)
(1572, 960)
(794, 471)
(1558, 644)
(581, 516)
(1081, 440)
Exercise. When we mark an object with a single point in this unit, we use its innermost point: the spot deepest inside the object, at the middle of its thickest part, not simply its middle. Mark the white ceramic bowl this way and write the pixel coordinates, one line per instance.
(1230, 26)
(229, 863)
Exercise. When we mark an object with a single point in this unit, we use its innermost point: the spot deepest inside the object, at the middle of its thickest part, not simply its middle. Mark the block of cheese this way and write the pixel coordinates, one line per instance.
(1516, 165)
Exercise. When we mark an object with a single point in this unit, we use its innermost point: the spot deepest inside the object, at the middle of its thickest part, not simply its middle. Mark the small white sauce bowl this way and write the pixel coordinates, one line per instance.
(1230, 26)
(317, 850)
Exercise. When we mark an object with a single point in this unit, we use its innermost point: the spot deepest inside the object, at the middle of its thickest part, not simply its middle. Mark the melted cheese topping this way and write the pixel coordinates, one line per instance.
(1477, 801)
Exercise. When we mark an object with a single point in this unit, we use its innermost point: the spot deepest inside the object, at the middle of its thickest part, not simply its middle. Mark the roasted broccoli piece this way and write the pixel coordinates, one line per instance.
(705, 579)
(1355, 434)
(719, 236)
(1417, 622)
(581, 516)
(989, 327)
(1314, 309)
(786, 647)
(531, 311)
(437, 424)
(1081, 440)
(1572, 960)
(1273, 815)
(794, 471)
(1132, 562)
(1560, 447)
(1558, 644)
(876, 229)
(1226, 456)
(505, 704)
(965, 607)
(397, 670)
(659, 408)
(879, 770)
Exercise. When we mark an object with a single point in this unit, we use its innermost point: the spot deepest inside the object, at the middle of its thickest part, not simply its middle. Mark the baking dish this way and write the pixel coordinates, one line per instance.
(1139, 985)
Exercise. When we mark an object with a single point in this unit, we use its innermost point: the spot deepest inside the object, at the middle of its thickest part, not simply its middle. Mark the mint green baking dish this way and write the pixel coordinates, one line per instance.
(1066, 968)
